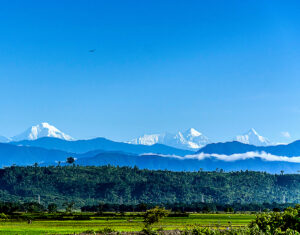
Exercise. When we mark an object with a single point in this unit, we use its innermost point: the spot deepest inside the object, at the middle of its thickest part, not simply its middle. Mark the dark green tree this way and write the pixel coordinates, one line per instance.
(155, 215)
(69, 206)
(52, 207)
(70, 160)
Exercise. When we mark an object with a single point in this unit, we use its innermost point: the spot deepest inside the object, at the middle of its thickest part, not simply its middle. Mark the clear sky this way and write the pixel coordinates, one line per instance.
(221, 67)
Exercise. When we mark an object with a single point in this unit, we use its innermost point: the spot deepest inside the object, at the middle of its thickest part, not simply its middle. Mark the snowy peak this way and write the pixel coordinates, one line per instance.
(252, 137)
(42, 130)
(190, 139)
(192, 132)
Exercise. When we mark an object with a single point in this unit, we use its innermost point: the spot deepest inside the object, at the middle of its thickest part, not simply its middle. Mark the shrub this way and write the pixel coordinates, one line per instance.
(278, 223)
(3, 216)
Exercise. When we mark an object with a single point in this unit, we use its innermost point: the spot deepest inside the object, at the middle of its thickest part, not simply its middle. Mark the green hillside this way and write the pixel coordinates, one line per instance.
(89, 185)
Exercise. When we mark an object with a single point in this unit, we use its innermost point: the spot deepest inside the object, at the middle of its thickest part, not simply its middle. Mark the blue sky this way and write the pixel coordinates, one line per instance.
(221, 67)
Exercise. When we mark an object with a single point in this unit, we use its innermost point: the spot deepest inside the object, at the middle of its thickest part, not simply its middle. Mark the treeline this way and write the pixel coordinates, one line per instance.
(9, 208)
(131, 186)
(183, 207)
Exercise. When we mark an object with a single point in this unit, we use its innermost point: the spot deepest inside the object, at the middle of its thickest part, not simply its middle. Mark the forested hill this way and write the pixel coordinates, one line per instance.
(87, 185)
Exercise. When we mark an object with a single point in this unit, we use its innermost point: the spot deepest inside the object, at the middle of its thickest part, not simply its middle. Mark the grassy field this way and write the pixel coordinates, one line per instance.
(129, 222)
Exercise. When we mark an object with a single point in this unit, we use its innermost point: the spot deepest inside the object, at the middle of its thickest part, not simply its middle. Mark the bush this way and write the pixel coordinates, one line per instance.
(106, 231)
(3, 216)
(197, 230)
(287, 222)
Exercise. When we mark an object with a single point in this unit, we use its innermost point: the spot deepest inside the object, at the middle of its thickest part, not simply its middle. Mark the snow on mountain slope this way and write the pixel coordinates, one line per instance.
(4, 139)
(253, 138)
(190, 139)
(147, 139)
(42, 130)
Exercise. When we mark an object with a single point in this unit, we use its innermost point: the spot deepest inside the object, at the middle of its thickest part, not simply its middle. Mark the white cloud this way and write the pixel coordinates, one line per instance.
(249, 155)
(286, 134)
(237, 156)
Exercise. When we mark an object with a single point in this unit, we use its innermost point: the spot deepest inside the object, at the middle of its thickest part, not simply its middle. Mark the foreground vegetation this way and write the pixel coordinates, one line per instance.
(153, 221)
(125, 185)
(88, 200)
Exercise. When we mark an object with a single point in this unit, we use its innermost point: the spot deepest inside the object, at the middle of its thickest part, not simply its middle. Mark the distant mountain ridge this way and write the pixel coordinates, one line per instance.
(158, 162)
(121, 154)
(82, 146)
(190, 139)
(28, 152)
(46, 145)
(228, 148)
(23, 155)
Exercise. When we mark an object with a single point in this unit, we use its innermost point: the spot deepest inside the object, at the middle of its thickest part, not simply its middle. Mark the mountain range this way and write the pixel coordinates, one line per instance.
(11, 154)
(46, 145)
(190, 139)
(193, 140)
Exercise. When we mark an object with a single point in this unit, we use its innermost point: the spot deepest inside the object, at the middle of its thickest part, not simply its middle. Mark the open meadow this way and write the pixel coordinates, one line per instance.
(127, 222)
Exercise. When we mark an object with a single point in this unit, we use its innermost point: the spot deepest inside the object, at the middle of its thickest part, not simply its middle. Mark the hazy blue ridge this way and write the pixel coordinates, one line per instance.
(24, 155)
(228, 148)
(156, 162)
(83, 146)
(100, 151)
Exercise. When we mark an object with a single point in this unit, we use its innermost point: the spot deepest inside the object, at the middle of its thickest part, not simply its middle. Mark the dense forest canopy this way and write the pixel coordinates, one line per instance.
(89, 185)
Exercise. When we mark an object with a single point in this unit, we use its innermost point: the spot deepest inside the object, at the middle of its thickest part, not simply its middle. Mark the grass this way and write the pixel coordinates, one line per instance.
(129, 222)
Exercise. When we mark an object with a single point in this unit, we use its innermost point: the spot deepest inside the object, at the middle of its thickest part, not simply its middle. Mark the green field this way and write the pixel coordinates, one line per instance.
(129, 222)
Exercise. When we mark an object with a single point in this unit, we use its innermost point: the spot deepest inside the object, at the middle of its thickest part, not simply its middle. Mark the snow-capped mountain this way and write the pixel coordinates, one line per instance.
(190, 139)
(253, 138)
(148, 139)
(4, 139)
(42, 130)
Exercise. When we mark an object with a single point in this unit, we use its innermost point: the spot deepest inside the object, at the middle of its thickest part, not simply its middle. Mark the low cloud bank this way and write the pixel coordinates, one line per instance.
(235, 157)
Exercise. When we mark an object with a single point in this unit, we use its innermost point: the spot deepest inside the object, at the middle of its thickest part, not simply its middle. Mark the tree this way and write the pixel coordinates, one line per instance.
(33, 207)
(229, 209)
(276, 209)
(52, 207)
(70, 160)
(142, 207)
(155, 215)
(100, 208)
(69, 206)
